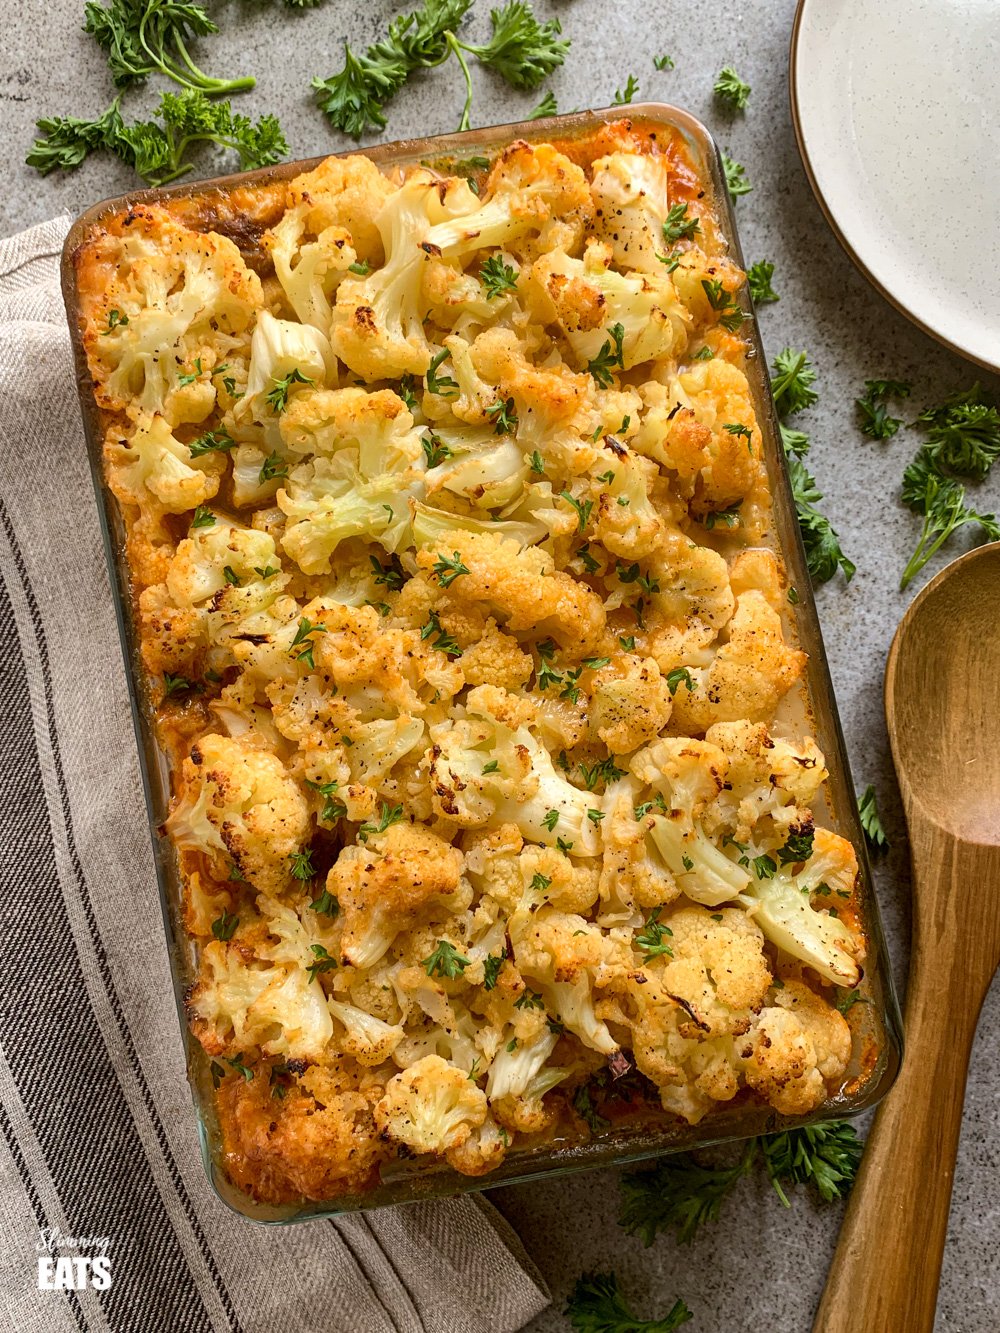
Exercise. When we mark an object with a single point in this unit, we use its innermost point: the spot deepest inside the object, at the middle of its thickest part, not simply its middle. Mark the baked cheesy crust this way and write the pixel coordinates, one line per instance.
(449, 531)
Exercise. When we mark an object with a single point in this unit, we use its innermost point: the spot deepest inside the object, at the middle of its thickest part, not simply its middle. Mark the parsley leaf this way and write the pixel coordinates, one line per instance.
(736, 177)
(678, 676)
(492, 964)
(504, 416)
(322, 961)
(624, 95)
(678, 225)
(224, 926)
(388, 815)
(792, 381)
(610, 355)
(143, 37)
(823, 550)
(596, 1305)
(871, 821)
(963, 434)
(546, 107)
(445, 961)
(650, 938)
(277, 397)
(759, 277)
(443, 385)
(875, 419)
(731, 89)
(941, 501)
(497, 277)
(449, 569)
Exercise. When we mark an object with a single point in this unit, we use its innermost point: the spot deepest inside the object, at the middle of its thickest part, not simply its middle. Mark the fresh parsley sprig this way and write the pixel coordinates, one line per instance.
(521, 50)
(596, 1305)
(941, 501)
(731, 89)
(871, 821)
(681, 1194)
(876, 421)
(158, 151)
(759, 277)
(143, 37)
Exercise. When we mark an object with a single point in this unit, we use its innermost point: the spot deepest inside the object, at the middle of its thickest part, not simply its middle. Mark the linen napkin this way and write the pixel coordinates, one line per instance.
(99, 1153)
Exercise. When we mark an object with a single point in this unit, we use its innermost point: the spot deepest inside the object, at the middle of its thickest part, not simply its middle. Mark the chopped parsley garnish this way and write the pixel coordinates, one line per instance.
(728, 308)
(116, 320)
(871, 821)
(791, 382)
(224, 926)
(388, 815)
(551, 820)
(302, 866)
(663, 62)
(202, 517)
(537, 463)
(736, 177)
(333, 807)
(596, 1305)
(277, 397)
(504, 416)
(435, 449)
(218, 441)
(678, 226)
(738, 429)
(546, 107)
(605, 771)
(362, 268)
(731, 89)
(175, 685)
(627, 641)
(610, 355)
(623, 96)
(443, 385)
(326, 905)
(650, 938)
(322, 962)
(273, 466)
(798, 846)
(759, 277)
(444, 642)
(231, 576)
(492, 767)
(677, 677)
(582, 507)
(765, 867)
(448, 570)
(445, 961)
(392, 575)
(492, 964)
(497, 277)
(304, 642)
(529, 999)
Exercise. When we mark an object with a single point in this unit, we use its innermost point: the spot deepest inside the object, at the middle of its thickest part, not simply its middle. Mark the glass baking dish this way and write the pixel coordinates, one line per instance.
(220, 203)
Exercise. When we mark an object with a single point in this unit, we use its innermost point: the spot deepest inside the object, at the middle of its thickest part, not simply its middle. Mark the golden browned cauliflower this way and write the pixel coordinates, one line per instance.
(521, 587)
(165, 307)
(319, 1141)
(430, 1107)
(238, 804)
(383, 885)
(797, 1047)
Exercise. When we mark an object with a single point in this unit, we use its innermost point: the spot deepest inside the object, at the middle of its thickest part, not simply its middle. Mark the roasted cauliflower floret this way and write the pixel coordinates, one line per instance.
(630, 703)
(430, 1107)
(158, 474)
(749, 676)
(378, 318)
(631, 191)
(367, 464)
(589, 300)
(344, 192)
(239, 801)
(797, 1047)
(164, 307)
(382, 886)
(319, 1141)
(532, 188)
(522, 587)
(702, 428)
(285, 358)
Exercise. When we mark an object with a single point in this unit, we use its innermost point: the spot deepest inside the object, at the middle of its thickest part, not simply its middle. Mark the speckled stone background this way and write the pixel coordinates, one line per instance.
(760, 1267)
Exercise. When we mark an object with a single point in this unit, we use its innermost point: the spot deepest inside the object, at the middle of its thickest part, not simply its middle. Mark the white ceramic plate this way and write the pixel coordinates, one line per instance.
(896, 105)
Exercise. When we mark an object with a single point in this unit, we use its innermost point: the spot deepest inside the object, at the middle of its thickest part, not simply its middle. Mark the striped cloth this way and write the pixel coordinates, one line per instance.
(97, 1131)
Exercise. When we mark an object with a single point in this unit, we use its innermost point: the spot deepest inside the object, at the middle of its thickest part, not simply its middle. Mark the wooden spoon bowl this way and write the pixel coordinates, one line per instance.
(942, 704)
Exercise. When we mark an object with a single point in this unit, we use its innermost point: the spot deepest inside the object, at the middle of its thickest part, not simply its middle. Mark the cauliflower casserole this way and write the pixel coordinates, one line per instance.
(449, 531)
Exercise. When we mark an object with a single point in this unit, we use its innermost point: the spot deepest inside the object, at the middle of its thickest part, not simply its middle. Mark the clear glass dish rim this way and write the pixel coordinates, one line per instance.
(722, 1125)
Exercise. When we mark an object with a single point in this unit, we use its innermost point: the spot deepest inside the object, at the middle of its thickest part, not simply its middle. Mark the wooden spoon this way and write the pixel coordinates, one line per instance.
(942, 705)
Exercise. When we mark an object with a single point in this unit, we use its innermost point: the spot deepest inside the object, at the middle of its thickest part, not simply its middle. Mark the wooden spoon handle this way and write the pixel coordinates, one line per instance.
(888, 1261)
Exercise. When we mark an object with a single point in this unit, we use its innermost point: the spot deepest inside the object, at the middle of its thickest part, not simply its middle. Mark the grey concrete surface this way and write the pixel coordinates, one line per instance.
(760, 1267)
